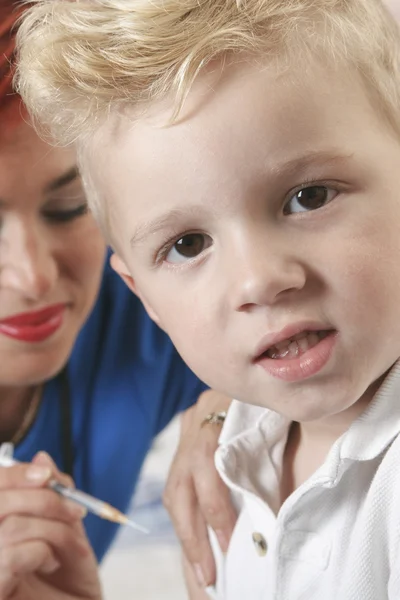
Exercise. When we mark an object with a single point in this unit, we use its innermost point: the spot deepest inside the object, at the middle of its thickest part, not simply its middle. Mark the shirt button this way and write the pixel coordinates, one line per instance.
(260, 544)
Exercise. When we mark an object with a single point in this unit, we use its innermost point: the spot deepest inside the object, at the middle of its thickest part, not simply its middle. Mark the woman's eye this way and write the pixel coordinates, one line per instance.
(309, 198)
(63, 216)
(187, 247)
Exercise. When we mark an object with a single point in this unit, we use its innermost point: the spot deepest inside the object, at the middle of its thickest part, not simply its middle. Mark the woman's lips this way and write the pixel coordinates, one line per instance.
(35, 326)
(298, 368)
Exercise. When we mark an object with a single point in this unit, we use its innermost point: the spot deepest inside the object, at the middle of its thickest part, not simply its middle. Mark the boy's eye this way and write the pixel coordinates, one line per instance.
(309, 198)
(187, 247)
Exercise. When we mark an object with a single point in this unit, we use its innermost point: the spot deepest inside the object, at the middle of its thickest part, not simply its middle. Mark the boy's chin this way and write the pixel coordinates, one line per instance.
(308, 410)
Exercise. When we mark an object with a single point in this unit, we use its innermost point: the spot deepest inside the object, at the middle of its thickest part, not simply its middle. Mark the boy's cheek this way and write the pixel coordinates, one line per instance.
(184, 323)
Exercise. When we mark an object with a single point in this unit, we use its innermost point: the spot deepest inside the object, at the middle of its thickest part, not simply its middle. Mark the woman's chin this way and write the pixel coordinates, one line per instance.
(33, 370)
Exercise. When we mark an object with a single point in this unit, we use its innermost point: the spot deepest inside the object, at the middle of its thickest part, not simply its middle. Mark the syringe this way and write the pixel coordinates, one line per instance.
(92, 504)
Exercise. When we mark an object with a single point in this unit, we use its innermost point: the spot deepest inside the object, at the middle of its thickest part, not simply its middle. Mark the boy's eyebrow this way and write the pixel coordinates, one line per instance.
(159, 223)
(314, 158)
(293, 166)
(64, 179)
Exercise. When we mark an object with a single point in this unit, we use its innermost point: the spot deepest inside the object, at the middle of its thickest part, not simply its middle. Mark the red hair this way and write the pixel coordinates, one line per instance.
(11, 109)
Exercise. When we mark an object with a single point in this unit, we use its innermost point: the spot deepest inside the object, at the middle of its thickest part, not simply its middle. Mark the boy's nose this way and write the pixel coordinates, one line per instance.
(26, 263)
(265, 275)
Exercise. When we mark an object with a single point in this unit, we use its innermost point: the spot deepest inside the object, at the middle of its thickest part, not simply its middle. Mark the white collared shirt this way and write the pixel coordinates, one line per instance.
(337, 536)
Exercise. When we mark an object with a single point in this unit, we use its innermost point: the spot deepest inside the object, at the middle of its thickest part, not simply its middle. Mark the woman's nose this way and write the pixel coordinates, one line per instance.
(265, 273)
(27, 265)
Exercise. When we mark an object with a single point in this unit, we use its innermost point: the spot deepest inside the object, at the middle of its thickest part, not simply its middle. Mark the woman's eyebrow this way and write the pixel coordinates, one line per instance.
(63, 179)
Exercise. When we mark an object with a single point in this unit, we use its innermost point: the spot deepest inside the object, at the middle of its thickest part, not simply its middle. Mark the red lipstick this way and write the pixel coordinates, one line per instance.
(36, 326)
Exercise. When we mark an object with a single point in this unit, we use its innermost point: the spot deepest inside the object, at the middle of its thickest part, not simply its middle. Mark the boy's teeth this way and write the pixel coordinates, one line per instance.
(313, 339)
(303, 344)
(296, 345)
(282, 345)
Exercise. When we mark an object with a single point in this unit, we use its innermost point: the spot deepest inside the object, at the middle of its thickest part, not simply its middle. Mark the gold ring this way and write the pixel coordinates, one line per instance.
(214, 418)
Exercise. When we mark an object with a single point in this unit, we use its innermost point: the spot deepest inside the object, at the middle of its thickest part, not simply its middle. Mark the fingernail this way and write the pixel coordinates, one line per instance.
(223, 540)
(201, 580)
(76, 510)
(51, 566)
(42, 457)
(37, 474)
(82, 511)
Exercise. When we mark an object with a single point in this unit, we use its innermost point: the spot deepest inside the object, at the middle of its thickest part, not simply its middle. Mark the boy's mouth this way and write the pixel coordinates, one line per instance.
(295, 346)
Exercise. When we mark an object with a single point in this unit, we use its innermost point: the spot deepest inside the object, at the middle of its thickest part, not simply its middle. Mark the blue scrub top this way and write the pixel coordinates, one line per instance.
(127, 381)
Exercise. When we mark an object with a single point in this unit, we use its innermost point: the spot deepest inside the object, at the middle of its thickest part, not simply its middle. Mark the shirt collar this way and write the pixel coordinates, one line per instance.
(378, 425)
(251, 432)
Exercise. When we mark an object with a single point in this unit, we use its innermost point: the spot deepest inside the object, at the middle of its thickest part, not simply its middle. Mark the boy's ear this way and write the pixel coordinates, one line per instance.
(120, 267)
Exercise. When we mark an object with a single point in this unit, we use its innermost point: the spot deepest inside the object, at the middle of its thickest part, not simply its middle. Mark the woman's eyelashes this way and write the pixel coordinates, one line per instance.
(309, 198)
(65, 215)
(186, 248)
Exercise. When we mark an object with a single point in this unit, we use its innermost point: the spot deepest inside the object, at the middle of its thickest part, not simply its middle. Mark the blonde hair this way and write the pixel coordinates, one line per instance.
(80, 60)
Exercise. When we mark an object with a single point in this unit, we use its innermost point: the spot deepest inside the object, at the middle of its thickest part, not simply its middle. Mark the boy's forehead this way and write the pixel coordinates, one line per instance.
(247, 104)
(251, 129)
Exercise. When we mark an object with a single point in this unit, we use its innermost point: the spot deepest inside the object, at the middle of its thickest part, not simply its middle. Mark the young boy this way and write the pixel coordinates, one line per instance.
(243, 159)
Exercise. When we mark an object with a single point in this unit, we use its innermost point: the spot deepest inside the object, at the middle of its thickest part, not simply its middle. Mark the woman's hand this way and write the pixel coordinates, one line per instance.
(195, 496)
(44, 552)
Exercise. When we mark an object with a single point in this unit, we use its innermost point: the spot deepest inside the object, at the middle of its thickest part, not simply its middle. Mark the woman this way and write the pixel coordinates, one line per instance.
(84, 374)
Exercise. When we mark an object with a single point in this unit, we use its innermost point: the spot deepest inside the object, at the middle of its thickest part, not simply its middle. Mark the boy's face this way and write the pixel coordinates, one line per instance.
(271, 210)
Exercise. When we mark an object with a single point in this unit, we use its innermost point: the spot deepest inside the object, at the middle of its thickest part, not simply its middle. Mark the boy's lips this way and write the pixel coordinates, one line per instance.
(296, 352)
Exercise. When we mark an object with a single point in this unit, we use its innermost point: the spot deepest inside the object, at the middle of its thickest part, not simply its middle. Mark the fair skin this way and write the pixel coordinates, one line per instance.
(52, 253)
(44, 552)
(232, 254)
(195, 495)
(263, 261)
(195, 525)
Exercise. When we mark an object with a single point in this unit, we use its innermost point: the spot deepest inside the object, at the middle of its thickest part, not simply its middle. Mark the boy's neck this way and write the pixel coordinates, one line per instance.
(325, 432)
(309, 443)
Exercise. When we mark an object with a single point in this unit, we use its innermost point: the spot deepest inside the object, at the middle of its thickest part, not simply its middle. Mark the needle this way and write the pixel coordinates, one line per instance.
(92, 504)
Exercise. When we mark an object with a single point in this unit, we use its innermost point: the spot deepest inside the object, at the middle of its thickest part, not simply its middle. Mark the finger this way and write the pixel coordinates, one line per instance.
(213, 495)
(24, 476)
(78, 512)
(187, 459)
(192, 531)
(195, 592)
(23, 559)
(42, 503)
(62, 538)
(215, 504)
(43, 459)
(187, 418)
